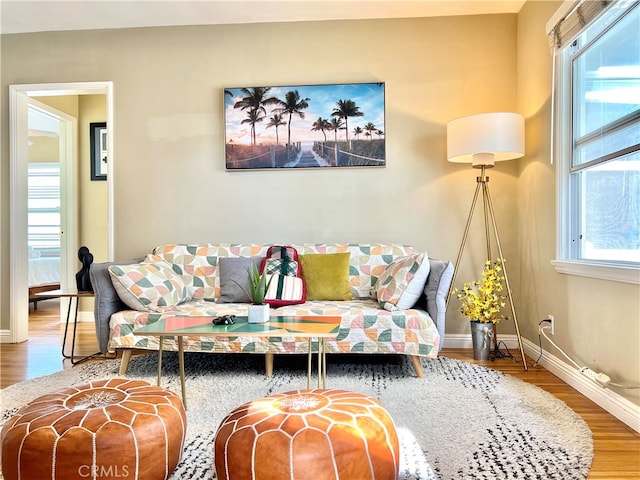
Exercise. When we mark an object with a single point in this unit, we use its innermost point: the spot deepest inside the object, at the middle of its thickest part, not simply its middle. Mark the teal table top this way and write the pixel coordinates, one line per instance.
(289, 326)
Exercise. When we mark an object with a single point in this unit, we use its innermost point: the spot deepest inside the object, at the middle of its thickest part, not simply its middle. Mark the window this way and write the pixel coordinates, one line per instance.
(43, 230)
(598, 146)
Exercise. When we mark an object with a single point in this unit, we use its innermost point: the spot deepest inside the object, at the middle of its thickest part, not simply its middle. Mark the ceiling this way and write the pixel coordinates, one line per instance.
(21, 16)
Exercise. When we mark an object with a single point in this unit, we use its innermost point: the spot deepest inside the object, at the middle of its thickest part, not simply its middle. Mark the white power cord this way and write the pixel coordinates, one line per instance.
(600, 378)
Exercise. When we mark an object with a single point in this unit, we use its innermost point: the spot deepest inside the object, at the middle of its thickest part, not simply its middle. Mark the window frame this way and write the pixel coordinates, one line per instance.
(562, 143)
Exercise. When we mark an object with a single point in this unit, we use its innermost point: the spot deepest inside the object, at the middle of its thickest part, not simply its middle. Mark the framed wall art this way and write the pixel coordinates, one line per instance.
(304, 126)
(99, 150)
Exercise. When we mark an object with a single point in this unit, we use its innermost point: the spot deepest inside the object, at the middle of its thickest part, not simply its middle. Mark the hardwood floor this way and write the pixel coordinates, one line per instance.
(617, 446)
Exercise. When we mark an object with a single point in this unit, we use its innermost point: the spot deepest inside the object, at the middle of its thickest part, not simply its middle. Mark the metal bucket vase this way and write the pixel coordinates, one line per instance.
(481, 337)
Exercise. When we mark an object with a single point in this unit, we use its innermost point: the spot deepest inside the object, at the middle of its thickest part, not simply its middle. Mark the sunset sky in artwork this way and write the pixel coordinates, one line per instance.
(369, 97)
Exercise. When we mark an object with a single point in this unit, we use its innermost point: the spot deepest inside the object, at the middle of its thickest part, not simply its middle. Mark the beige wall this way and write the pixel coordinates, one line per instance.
(170, 184)
(93, 195)
(597, 321)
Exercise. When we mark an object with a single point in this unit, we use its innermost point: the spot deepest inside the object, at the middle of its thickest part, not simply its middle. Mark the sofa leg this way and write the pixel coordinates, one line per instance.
(268, 364)
(124, 363)
(417, 365)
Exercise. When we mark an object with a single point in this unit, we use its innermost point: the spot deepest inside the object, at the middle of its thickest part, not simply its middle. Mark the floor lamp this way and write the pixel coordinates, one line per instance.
(482, 140)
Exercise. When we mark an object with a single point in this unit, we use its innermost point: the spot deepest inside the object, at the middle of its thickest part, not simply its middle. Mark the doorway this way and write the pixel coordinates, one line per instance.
(20, 96)
(51, 225)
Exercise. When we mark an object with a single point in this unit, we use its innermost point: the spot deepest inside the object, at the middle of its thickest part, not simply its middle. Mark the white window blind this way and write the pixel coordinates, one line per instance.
(43, 208)
(571, 19)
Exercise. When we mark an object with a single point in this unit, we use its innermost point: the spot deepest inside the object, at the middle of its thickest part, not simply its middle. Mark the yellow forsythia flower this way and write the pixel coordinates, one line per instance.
(481, 300)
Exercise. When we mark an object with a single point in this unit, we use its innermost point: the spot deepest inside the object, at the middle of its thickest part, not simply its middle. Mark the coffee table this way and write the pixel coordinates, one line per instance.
(310, 327)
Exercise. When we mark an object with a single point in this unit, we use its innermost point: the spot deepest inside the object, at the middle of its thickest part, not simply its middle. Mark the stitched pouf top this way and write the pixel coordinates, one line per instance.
(105, 429)
(308, 434)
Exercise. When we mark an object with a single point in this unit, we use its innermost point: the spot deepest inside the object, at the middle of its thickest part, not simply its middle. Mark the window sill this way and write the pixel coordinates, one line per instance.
(596, 270)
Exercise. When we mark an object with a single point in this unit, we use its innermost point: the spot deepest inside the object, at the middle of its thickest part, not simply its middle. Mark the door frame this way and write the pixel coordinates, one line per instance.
(18, 145)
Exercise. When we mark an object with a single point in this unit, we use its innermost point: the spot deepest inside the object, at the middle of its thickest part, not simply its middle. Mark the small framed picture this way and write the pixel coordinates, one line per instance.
(99, 150)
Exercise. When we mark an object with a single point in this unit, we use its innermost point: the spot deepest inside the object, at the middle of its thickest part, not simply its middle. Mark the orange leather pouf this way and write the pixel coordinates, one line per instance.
(107, 429)
(308, 435)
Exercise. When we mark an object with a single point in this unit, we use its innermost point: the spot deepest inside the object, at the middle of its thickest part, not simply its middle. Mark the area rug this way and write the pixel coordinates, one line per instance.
(460, 422)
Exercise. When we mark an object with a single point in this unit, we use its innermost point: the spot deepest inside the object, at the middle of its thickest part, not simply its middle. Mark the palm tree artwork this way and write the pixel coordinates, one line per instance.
(254, 117)
(255, 102)
(321, 124)
(337, 124)
(345, 109)
(370, 128)
(292, 105)
(276, 121)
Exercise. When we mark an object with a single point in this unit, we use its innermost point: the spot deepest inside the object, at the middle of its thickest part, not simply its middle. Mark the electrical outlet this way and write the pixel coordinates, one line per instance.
(553, 324)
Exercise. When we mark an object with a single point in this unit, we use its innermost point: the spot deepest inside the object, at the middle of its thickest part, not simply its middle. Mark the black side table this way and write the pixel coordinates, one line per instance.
(72, 294)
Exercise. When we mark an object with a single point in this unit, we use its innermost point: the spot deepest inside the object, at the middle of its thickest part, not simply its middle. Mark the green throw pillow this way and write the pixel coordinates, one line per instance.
(326, 275)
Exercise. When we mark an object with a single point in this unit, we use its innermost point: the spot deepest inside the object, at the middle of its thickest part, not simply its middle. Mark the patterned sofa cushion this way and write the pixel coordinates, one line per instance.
(365, 328)
(150, 286)
(399, 287)
(198, 264)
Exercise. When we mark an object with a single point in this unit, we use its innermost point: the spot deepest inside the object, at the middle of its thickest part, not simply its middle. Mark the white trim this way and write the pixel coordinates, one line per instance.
(614, 403)
(84, 316)
(463, 340)
(18, 290)
(617, 405)
(594, 270)
(5, 336)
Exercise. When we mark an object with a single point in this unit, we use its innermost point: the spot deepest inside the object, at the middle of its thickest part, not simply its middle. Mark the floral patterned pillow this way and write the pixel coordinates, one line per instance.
(150, 286)
(399, 287)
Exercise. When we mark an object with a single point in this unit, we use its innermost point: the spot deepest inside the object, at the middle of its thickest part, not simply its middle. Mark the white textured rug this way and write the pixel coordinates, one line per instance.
(460, 422)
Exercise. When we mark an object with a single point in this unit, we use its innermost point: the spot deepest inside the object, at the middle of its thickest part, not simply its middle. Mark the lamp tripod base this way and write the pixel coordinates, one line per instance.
(489, 225)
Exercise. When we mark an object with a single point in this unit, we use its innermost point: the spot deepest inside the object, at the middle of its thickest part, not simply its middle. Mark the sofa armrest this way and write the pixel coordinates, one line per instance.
(436, 290)
(107, 302)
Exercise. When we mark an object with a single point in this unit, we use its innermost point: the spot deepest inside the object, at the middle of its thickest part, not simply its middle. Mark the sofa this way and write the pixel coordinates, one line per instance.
(394, 304)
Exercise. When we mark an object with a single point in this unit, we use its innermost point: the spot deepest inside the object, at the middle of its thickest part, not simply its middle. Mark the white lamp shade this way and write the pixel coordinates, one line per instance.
(497, 136)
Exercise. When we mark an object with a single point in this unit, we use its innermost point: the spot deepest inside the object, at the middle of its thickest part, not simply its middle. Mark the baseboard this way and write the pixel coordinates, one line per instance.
(83, 316)
(614, 403)
(5, 336)
(86, 316)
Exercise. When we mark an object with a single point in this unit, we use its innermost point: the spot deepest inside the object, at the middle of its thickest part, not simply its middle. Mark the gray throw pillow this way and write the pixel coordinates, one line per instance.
(234, 271)
(436, 291)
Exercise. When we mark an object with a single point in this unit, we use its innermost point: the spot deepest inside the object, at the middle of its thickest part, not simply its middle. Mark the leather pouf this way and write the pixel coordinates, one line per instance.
(107, 429)
(308, 434)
